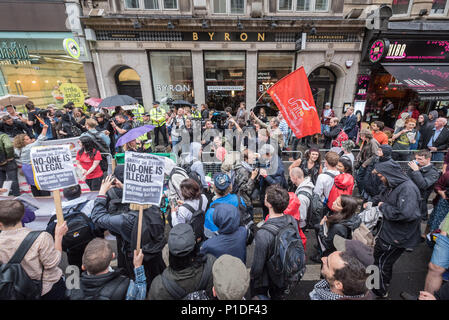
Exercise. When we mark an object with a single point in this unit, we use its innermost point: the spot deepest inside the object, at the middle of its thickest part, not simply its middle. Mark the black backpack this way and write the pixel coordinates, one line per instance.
(15, 284)
(179, 293)
(81, 228)
(192, 174)
(197, 220)
(286, 264)
(317, 208)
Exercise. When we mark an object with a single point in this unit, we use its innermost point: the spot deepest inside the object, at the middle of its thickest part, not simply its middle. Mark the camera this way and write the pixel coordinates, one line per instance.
(43, 114)
(219, 116)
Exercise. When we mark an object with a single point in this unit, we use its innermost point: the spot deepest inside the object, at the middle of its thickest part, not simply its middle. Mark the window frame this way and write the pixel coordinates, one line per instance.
(312, 7)
(446, 9)
(410, 4)
(160, 4)
(228, 9)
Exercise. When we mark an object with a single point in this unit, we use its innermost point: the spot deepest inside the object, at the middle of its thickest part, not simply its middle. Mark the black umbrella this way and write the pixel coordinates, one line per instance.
(118, 100)
(181, 103)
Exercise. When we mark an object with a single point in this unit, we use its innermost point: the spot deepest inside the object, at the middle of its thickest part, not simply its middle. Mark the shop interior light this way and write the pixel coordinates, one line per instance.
(33, 82)
(18, 81)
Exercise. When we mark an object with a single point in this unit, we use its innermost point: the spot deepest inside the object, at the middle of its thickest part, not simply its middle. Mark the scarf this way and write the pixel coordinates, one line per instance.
(322, 291)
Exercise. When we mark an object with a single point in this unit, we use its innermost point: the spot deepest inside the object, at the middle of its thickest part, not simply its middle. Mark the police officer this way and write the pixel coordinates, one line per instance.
(196, 114)
(158, 116)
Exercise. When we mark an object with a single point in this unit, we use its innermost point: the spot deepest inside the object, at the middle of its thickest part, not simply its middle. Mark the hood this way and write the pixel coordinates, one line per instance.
(293, 206)
(306, 185)
(352, 223)
(344, 181)
(434, 114)
(386, 150)
(91, 283)
(426, 119)
(227, 218)
(392, 172)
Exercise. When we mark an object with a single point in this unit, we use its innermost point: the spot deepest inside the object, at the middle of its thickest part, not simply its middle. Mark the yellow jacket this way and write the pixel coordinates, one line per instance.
(158, 116)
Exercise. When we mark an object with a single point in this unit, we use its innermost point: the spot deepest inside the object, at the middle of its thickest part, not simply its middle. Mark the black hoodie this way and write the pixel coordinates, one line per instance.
(400, 208)
(372, 184)
(426, 132)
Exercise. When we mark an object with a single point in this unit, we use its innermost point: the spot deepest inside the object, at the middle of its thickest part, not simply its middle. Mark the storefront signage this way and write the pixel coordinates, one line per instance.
(173, 88)
(362, 87)
(378, 50)
(14, 53)
(229, 36)
(72, 48)
(393, 50)
(225, 88)
(333, 37)
(72, 93)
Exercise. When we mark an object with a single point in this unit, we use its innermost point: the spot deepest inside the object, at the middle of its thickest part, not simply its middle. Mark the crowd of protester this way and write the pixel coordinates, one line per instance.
(364, 199)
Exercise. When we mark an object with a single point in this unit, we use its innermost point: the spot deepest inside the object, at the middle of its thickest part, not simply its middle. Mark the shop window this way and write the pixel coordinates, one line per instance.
(128, 83)
(303, 5)
(401, 7)
(172, 75)
(439, 7)
(272, 67)
(152, 4)
(225, 79)
(229, 6)
(322, 83)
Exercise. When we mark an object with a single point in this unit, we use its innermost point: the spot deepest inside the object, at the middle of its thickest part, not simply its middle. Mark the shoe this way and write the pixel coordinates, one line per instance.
(409, 249)
(407, 296)
(380, 295)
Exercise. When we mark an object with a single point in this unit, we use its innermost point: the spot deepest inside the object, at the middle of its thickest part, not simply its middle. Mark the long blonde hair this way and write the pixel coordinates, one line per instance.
(19, 141)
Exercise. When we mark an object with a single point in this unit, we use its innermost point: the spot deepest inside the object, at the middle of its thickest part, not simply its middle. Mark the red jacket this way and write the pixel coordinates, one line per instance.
(343, 184)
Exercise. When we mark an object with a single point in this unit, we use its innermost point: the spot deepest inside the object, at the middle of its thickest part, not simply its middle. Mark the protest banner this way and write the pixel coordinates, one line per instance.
(143, 183)
(53, 170)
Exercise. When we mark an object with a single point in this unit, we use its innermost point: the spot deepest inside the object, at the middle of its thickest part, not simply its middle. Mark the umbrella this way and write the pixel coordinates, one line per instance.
(130, 107)
(118, 100)
(13, 99)
(133, 134)
(181, 102)
(94, 102)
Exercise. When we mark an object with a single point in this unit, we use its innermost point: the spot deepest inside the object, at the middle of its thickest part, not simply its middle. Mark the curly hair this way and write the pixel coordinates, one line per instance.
(19, 141)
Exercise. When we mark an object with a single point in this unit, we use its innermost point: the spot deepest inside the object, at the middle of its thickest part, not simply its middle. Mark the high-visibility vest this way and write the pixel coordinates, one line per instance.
(139, 113)
(158, 116)
(196, 115)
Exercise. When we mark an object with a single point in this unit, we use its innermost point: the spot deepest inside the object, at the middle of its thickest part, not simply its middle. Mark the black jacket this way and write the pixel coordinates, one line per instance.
(109, 286)
(442, 142)
(331, 135)
(17, 128)
(343, 228)
(425, 178)
(426, 132)
(400, 207)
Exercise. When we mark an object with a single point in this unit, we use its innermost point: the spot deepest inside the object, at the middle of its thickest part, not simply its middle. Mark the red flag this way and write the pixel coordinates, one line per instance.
(294, 99)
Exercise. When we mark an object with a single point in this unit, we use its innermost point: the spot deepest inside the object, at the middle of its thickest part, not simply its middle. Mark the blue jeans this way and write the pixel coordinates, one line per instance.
(440, 255)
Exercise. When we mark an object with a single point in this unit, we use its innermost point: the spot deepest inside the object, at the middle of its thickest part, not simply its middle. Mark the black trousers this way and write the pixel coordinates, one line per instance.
(163, 130)
(94, 184)
(9, 171)
(385, 255)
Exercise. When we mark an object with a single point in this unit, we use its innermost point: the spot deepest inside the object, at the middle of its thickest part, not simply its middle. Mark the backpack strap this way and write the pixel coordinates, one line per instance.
(173, 288)
(205, 276)
(330, 174)
(190, 208)
(24, 247)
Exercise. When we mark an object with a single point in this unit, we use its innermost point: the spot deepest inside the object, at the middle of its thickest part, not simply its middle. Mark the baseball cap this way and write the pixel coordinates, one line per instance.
(356, 249)
(231, 278)
(222, 181)
(181, 240)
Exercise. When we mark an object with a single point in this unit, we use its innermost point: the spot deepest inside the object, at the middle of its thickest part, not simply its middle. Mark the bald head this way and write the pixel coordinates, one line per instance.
(296, 176)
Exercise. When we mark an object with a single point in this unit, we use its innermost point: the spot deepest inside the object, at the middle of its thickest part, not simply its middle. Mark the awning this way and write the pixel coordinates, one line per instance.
(430, 82)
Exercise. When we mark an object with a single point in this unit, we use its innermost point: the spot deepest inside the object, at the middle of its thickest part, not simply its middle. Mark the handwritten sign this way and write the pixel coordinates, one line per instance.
(144, 178)
(53, 167)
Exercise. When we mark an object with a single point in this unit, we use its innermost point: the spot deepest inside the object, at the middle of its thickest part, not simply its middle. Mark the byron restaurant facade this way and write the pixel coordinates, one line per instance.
(222, 56)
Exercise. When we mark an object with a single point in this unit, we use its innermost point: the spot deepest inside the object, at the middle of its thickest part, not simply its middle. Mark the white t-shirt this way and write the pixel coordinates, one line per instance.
(324, 184)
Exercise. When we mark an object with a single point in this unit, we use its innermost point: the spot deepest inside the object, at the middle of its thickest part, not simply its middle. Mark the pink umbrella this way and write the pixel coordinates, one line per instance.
(94, 102)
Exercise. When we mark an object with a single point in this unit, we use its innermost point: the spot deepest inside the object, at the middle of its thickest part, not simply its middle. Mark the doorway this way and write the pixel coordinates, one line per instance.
(322, 83)
(128, 83)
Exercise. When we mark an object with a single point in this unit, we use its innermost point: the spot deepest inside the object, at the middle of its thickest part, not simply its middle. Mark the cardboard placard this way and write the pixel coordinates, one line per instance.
(144, 178)
(53, 168)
